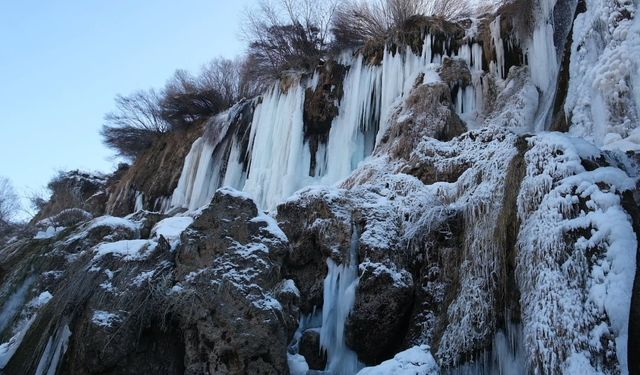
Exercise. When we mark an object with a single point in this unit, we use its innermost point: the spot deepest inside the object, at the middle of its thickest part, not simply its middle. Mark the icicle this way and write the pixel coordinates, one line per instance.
(139, 206)
(54, 352)
(346, 146)
(499, 48)
(543, 60)
(339, 296)
(277, 148)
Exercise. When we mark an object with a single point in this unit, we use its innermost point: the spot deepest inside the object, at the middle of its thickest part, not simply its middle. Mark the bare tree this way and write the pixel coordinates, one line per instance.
(9, 203)
(357, 22)
(139, 110)
(223, 75)
(134, 124)
(188, 100)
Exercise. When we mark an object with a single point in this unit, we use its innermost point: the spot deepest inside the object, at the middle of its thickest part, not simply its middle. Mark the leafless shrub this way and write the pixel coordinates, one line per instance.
(140, 118)
(132, 127)
(187, 100)
(9, 207)
(449, 9)
(358, 21)
(287, 34)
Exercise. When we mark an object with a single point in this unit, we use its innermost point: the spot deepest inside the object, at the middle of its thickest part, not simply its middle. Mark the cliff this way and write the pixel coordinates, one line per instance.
(459, 199)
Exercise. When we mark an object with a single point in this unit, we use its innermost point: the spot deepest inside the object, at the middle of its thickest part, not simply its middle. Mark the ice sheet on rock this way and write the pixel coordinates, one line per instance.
(413, 361)
(8, 349)
(41, 300)
(15, 302)
(576, 234)
(297, 364)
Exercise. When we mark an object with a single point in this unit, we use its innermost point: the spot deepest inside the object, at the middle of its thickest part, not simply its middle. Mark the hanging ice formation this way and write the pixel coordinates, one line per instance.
(260, 146)
(339, 295)
(267, 154)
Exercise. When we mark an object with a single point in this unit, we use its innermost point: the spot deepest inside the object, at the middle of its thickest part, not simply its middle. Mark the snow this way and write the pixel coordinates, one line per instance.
(41, 300)
(289, 286)
(129, 250)
(105, 319)
(230, 191)
(401, 279)
(49, 233)
(113, 222)
(297, 364)
(416, 360)
(171, 229)
(272, 226)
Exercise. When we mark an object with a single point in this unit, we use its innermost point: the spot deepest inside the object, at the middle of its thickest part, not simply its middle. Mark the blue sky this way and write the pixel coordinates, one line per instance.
(62, 63)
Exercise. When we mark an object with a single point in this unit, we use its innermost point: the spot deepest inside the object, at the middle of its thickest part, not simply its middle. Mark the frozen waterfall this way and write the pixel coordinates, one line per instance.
(276, 160)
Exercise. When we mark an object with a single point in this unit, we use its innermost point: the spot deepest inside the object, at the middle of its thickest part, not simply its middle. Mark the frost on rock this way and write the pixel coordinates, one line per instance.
(603, 102)
(576, 259)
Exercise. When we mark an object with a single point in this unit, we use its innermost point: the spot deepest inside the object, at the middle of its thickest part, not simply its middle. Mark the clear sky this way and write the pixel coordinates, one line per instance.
(62, 62)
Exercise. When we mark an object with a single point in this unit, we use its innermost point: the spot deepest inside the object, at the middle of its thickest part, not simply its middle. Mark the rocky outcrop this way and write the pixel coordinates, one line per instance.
(154, 175)
(227, 274)
(75, 189)
(114, 295)
(321, 105)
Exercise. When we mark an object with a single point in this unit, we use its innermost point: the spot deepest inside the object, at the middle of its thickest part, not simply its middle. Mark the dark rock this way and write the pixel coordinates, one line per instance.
(455, 72)
(377, 324)
(155, 173)
(321, 106)
(314, 232)
(228, 267)
(310, 349)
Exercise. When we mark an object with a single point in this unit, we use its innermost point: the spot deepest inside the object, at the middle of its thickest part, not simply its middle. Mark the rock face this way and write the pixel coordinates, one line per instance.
(228, 274)
(112, 302)
(154, 176)
(466, 242)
